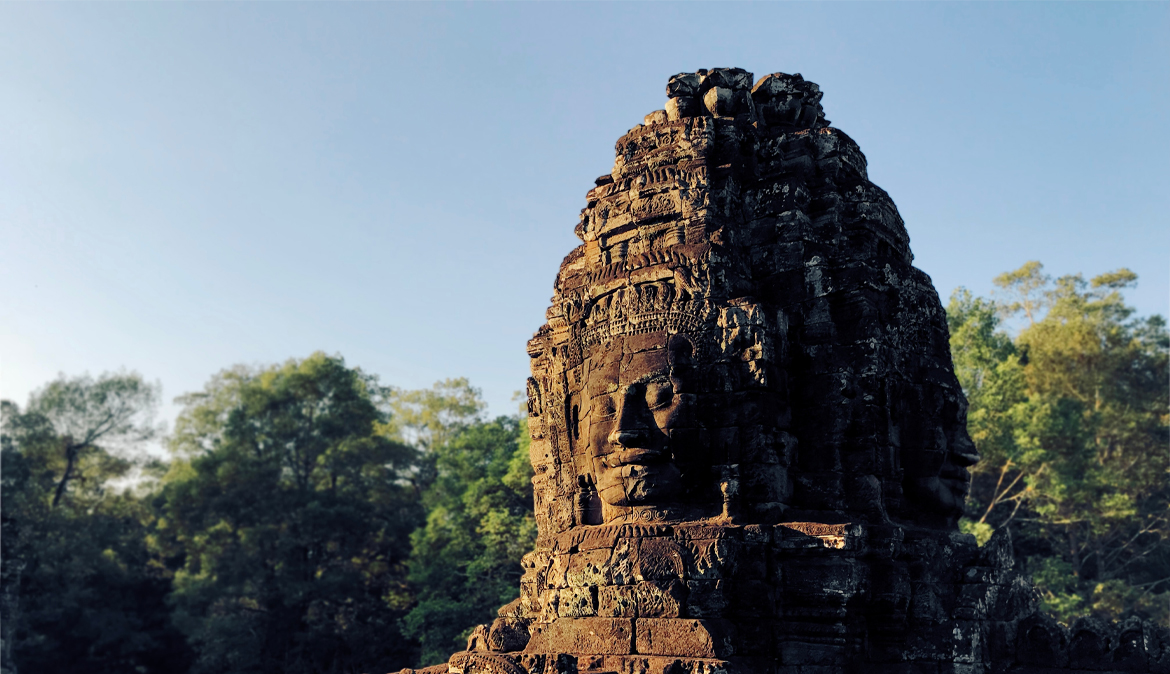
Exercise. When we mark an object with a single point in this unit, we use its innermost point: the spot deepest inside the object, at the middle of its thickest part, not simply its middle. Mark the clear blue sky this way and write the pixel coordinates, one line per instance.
(188, 186)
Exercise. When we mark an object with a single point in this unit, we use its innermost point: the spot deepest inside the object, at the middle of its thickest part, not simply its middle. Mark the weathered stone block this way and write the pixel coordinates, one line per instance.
(508, 634)
(706, 599)
(576, 602)
(736, 79)
(554, 575)
(591, 567)
(606, 636)
(718, 102)
(684, 637)
(660, 599)
(1090, 644)
(681, 107)
(616, 601)
(658, 559)
(656, 117)
(711, 558)
(683, 84)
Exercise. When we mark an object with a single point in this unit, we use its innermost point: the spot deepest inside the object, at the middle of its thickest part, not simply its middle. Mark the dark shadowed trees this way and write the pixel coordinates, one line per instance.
(83, 590)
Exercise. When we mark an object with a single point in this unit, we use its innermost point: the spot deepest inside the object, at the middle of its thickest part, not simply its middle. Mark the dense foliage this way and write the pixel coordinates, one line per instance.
(312, 520)
(1071, 417)
(83, 589)
(292, 514)
(465, 559)
(309, 520)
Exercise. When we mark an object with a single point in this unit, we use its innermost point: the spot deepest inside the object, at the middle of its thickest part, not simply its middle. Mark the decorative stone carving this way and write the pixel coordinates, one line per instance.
(749, 444)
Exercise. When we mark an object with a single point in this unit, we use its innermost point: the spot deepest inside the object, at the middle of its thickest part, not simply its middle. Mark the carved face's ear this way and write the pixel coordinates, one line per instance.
(680, 351)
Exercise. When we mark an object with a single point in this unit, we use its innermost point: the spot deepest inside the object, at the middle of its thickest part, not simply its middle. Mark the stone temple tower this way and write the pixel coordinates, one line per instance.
(749, 444)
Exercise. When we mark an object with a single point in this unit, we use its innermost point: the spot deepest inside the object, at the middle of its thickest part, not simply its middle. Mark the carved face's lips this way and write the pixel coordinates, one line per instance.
(631, 484)
(636, 456)
(952, 494)
(953, 473)
(957, 486)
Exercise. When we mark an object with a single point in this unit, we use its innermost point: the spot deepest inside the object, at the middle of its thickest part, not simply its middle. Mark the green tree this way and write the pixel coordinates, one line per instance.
(988, 367)
(75, 547)
(292, 511)
(1071, 417)
(82, 429)
(465, 561)
(429, 418)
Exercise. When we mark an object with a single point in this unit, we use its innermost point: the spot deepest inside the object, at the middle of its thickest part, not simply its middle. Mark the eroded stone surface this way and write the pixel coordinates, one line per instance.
(749, 443)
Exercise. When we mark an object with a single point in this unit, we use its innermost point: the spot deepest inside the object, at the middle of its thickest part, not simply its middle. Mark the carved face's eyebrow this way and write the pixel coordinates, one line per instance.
(656, 376)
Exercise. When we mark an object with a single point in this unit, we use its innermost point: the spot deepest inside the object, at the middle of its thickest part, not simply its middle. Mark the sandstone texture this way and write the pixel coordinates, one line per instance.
(749, 444)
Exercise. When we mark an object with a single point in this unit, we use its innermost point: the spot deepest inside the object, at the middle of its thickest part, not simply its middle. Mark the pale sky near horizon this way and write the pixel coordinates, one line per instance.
(184, 187)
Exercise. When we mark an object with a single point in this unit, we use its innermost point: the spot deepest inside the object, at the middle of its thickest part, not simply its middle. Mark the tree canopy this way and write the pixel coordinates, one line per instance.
(292, 514)
(465, 560)
(82, 589)
(309, 520)
(1071, 417)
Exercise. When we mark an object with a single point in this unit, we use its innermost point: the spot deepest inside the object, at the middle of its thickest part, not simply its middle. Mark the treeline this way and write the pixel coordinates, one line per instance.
(309, 519)
(1072, 418)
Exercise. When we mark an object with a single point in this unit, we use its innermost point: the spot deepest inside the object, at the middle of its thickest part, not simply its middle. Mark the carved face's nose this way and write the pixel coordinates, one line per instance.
(963, 452)
(630, 428)
(965, 456)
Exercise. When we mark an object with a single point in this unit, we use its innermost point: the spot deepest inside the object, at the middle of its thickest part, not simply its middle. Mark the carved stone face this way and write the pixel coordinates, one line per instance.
(635, 401)
(954, 479)
(946, 489)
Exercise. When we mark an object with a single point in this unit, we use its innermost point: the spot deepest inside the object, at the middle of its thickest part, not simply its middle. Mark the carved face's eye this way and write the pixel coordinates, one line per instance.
(605, 406)
(659, 394)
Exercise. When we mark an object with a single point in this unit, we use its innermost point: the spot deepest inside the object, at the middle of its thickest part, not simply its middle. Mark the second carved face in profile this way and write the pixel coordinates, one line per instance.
(939, 480)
